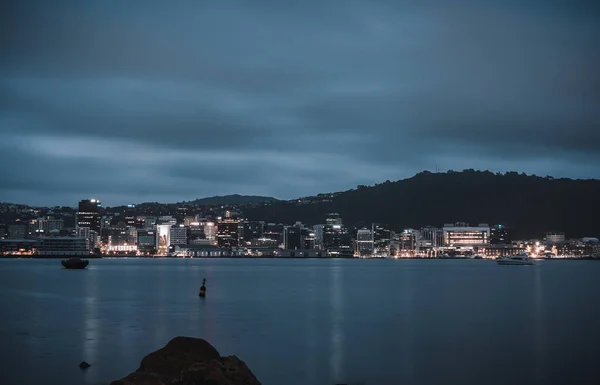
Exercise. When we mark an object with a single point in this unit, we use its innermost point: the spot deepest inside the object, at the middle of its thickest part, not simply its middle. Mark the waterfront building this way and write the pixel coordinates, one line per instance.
(318, 231)
(292, 237)
(179, 235)
(163, 237)
(63, 246)
(146, 241)
(274, 233)
(227, 232)
(19, 246)
(364, 242)
(463, 235)
(431, 237)
(210, 231)
(555, 238)
(407, 242)
(500, 235)
(382, 239)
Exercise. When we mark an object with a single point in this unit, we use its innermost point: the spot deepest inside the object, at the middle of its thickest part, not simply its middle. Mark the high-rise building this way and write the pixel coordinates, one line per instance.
(407, 241)
(500, 235)
(251, 230)
(210, 231)
(431, 237)
(319, 231)
(382, 238)
(273, 233)
(88, 214)
(364, 242)
(336, 239)
(179, 235)
(292, 237)
(163, 237)
(146, 241)
(227, 232)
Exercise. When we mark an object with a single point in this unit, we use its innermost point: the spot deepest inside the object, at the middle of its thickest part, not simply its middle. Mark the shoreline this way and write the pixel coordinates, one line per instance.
(36, 257)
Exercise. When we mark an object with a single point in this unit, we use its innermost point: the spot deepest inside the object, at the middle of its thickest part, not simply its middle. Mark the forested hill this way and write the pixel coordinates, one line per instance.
(531, 205)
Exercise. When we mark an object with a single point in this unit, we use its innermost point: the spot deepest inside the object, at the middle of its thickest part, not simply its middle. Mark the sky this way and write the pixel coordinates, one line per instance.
(136, 101)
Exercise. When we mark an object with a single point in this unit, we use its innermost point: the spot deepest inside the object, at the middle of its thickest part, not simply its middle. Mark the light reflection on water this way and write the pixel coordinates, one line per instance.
(306, 321)
(337, 318)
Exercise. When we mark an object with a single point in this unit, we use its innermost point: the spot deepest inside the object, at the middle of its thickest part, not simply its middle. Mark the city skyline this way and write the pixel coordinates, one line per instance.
(151, 101)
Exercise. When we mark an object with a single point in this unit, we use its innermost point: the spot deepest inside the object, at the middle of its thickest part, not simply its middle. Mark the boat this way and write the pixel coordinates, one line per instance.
(74, 263)
(519, 259)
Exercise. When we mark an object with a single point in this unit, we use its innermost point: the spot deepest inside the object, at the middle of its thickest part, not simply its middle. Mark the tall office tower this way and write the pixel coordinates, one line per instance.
(88, 214)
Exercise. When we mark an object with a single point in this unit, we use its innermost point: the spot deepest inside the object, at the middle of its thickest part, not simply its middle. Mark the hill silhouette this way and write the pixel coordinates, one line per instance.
(234, 199)
(531, 205)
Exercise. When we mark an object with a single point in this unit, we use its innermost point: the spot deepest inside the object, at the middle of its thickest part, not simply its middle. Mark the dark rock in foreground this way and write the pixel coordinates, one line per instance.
(189, 361)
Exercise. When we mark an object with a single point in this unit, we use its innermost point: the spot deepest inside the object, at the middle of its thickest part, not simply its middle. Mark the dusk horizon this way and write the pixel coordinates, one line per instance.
(108, 203)
(142, 101)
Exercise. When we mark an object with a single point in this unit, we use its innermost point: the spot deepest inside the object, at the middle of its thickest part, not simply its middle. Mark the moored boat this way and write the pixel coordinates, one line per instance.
(74, 263)
(519, 259)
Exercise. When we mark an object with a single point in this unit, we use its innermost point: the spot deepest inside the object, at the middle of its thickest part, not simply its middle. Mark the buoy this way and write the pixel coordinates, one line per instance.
(203, 288)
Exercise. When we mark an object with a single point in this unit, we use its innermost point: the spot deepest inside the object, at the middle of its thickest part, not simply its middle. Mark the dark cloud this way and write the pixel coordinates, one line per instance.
(154, 100)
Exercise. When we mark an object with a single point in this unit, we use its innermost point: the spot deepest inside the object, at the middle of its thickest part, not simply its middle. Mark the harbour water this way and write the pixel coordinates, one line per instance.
(302, 322)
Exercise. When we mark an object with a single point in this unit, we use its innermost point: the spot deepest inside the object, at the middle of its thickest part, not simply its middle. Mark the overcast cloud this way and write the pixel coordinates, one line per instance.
(131, 101)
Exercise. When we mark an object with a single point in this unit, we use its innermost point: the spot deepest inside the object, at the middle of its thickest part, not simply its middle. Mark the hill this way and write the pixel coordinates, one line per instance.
(235, 199)
(530, 204)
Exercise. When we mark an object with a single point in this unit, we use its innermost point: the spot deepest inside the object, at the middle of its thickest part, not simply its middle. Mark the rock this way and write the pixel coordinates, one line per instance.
(189, 361)
(84, 365)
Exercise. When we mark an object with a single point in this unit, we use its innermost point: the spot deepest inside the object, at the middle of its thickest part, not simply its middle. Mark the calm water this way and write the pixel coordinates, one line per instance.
(300, 322)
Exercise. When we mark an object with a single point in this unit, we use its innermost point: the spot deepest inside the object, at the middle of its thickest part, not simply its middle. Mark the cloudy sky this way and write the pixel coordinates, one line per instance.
(131, 101)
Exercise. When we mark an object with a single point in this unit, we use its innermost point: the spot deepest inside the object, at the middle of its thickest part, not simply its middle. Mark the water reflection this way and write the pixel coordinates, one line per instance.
(539, 327)
(337, 317)
(407, 322)
(311, 329)
(90, 317)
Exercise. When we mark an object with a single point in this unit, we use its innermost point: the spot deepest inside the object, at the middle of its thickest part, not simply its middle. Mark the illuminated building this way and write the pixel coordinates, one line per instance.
(63, 246)
(163, 237)
(187, 221)
(210, 231)
(227, 232)
(382, 238)
(146, 241)
(337, 241)
(364, 242)
(500, 235)
(45, 226)
(462, 235)
(273, 234)
(319, 231)
(251, 230)
(431, 237)
(407, 242)
(554, 238)
(88, 215)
